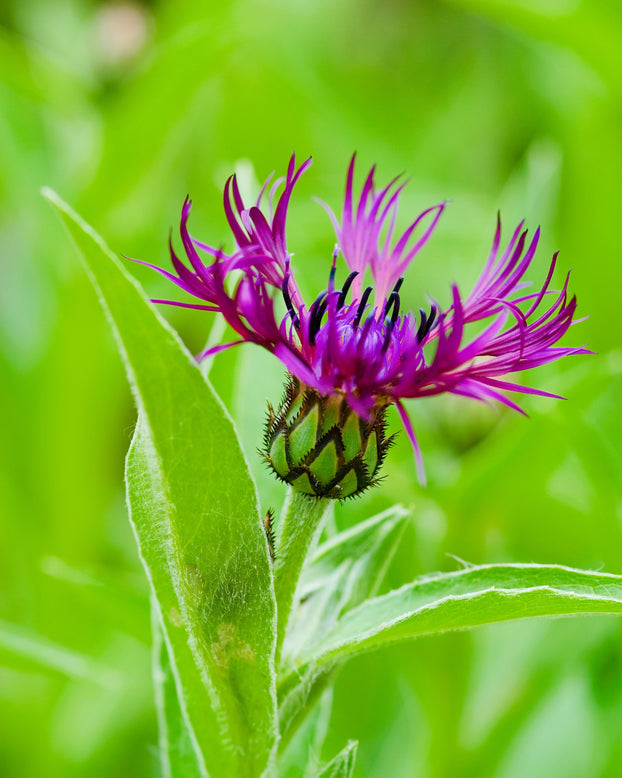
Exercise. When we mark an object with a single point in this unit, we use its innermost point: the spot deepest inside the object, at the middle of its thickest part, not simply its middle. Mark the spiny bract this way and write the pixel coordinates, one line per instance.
(321, 446)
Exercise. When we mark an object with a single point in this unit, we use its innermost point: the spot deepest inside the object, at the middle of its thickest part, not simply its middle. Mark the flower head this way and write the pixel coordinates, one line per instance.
(353, 349)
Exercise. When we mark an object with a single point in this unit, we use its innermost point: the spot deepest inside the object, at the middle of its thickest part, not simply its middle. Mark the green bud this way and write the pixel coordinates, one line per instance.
(320, 446)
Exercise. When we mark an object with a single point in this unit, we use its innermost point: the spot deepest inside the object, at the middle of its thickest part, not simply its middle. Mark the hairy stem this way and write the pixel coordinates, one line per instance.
(297, 531)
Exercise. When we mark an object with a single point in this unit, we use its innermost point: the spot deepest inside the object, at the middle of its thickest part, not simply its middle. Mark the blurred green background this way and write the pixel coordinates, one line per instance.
(125, 108)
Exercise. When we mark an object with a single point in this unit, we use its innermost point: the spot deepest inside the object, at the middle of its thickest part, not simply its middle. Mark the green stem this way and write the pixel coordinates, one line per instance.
(297, 531)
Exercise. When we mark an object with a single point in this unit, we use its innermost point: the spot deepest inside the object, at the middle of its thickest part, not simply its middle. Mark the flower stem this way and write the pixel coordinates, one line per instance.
(297, 532)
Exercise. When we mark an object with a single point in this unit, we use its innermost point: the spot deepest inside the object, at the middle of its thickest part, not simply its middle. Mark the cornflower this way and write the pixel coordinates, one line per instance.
(352, 352)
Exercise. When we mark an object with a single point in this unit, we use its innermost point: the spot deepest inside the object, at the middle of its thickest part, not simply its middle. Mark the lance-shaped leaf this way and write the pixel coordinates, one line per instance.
(194, 511)
(342, 766)
(368, 546)
(467, 598)
(178, 757)
(345, 570)
(301, 757)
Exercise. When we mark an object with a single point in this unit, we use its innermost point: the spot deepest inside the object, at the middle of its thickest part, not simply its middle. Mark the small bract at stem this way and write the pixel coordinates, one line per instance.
(297, 533)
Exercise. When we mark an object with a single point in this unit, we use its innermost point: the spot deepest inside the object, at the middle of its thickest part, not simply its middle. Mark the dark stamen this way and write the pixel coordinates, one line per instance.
(396, 308)
(426, 323)
(317, 311)
(294, 318)
(392, 302)
(346, 288)
(361, 308)
(288, 302)
(387, 335)
(391, 298)
(331, 277)
(423, 318)
(316, 303)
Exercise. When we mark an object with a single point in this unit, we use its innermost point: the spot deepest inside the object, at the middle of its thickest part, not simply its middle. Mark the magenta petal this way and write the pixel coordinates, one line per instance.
(186, 305)
(415, 443)
(209, 352)
(357, 342)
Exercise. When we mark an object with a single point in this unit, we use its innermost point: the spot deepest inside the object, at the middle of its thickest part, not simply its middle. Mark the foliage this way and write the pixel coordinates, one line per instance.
(509, 105)
(220, 615)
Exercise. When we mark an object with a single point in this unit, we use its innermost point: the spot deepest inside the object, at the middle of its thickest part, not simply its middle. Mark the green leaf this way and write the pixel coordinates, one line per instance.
(301, 757)
(467, 598)
(342, 766)
(178, 757)
(194, 511)
(368, 547)
(345, 570)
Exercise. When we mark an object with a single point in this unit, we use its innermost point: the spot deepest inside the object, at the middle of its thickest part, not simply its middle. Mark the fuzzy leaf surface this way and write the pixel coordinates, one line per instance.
(301, 757)
(194, 511)
(342, 766)
(345, 570)
(178, 757)
(367, 548)
(467, 598)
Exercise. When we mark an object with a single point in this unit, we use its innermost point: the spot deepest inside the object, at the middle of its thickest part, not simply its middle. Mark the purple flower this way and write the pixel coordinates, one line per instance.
(353, 341)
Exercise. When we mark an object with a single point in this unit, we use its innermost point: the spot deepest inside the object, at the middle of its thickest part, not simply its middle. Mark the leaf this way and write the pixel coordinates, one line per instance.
(467, 598)
(194, 510)
(345, 570)
(342, 766)
(366, 549)
(301, 757)
(178, 756)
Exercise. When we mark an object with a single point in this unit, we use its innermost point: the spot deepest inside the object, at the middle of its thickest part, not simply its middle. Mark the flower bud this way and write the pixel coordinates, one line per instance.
(320, 446)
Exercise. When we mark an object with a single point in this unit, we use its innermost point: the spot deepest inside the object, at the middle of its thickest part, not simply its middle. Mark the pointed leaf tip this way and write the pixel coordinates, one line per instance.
(342, 766)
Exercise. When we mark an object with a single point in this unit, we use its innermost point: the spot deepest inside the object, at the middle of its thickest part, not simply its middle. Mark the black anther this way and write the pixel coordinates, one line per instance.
(391, 298)
(316, 303)
(423, 318)
(317, 311)
(361, 308)
(426, 322)
(288, 302)
(387, 335)
(396, 307)
(346, 289)
(392, 302)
